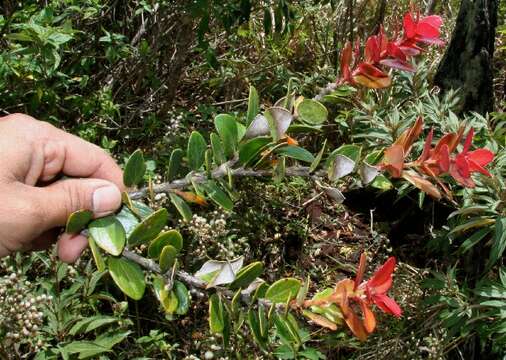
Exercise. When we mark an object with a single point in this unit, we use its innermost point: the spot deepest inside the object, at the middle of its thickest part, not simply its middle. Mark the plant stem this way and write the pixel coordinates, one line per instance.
(221, 171)
(191, 281)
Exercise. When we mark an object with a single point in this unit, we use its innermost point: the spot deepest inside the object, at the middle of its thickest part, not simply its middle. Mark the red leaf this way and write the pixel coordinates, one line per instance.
(383, 275)
(398, 64)
(433, 20)
(387, 304)
(369, 70)
(426, 30)
(393, 160)
(320, 320)
(369, 319)
(426, 147)
(360, 271)
(346, 57)
(372, 50)
(422, 184)
(469, 140)
(443, 158)
(409, 26)
(481, 157)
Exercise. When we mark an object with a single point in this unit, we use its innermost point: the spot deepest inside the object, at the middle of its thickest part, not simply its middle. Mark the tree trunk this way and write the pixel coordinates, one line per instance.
(467, 63)
(431, 7)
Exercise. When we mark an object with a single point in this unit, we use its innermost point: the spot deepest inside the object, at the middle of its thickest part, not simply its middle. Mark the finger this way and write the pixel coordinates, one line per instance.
(64, 152)
(70, 247)
(57, 201)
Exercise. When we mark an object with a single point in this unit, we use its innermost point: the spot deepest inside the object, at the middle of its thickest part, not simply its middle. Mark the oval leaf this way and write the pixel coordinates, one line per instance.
(295, 152)
(227, 129)
(128, 276)
(174, 164)
(109, 234)
(312, 112)
(217, 195)
(196, 149)
(283, 290)
(181, 206)
(171, 237)
(183, 298)
(149, 228)
(250, 150)
(253, 105)
(247, 275)
(168, 257)
(77, 221)
(134, 169)
(97, 256)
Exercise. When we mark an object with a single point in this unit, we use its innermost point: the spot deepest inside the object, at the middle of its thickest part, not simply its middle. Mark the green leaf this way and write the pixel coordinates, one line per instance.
(168, 257)
(318, 158)
(216, 321)
(181, 206)
(128, 276)
(217, 147)
(219, 272)
(295, 152)
(312, 112)
(149, 228)
(91, 323)
(77, 221)
(195, 152)
(174, 166)
(474, 239)
(247, 275)
(171, 237)
(167, 299)
(77, 347)
(287, 330)
(351, 151)
(227, 129)
(381, 182)
(218, 196)
(255, 328)
(283, 290)
(249, 150)
(253, 105)
(183, 298)
(97, 256)
(127, 219)
(134, 169)
(108, 234)
(499, 244)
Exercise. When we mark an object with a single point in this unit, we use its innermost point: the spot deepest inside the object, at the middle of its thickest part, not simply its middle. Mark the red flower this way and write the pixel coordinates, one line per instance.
(468, 162)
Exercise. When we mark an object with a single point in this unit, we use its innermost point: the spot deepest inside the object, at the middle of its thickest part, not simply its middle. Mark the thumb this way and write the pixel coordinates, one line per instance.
(60, 199)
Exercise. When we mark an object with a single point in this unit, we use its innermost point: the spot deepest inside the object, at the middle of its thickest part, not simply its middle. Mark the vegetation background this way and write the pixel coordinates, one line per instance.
(145, 74)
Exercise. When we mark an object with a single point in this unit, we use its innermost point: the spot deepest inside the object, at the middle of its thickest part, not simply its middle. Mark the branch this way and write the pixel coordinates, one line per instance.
(221, 171)
(191, 280)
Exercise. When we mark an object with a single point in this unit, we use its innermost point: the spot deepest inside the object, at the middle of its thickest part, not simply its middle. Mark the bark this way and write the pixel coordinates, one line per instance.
(431, 7)
(467, 63)
(379, 17)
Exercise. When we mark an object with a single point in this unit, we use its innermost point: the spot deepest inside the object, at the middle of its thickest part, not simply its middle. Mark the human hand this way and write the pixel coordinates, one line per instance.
(34, 204)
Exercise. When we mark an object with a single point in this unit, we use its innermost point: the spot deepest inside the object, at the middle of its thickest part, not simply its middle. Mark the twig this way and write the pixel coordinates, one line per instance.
(221, 171)
(192, 281)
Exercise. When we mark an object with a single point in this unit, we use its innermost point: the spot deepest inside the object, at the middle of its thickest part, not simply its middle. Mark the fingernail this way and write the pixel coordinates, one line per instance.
(106, 200)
